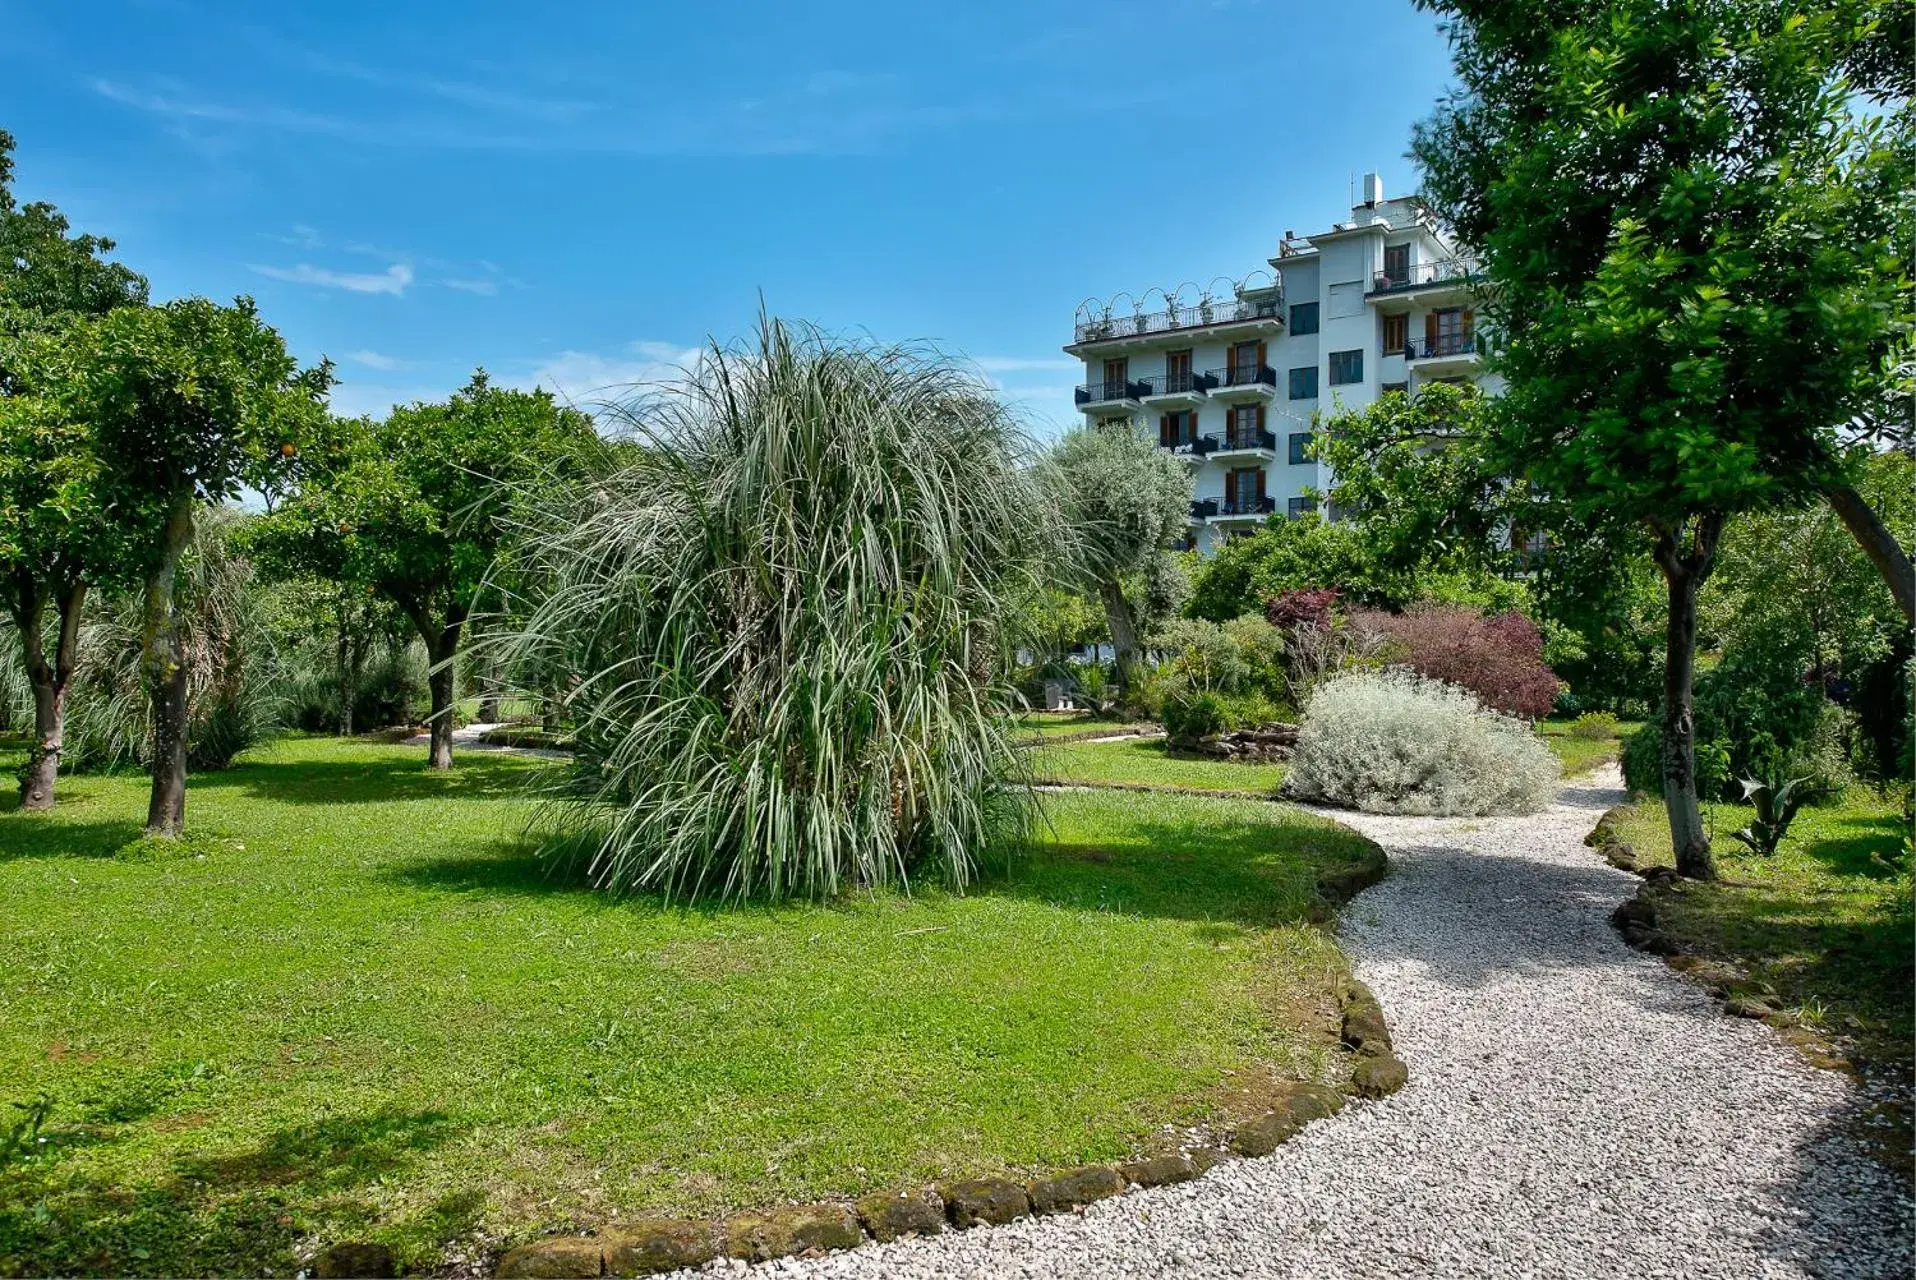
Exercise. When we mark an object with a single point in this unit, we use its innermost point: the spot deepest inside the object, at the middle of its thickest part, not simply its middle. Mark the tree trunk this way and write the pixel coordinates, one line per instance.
(489, 694)
(165, 663)
(1684, 572)
(1124, 631)
(549, 707)
(1879, 544)
(49, 682)
(442, 646)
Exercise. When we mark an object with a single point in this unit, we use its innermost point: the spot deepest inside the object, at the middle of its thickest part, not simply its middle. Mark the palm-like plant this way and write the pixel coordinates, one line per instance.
(785, 620)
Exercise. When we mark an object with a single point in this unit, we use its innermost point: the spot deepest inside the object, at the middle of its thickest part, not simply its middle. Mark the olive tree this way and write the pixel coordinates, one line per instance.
(1124, 501)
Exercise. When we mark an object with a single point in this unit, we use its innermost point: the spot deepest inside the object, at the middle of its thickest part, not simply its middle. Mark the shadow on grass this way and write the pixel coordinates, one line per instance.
(385, 779)
(233, 1213)
(1214, 869)
(51, 835)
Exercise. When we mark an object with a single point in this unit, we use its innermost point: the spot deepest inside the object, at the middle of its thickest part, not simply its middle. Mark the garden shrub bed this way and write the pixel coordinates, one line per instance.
(355, 1008)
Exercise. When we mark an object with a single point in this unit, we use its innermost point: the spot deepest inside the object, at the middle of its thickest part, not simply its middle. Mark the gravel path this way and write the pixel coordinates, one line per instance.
(1575, 1109)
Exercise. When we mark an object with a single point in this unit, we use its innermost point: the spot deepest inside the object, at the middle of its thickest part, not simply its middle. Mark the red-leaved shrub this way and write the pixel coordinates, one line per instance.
(1304, 607)
(1500, 659)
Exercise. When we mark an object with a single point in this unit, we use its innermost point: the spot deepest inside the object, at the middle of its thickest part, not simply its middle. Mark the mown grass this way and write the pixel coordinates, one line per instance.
(1041, 726)
(354, 1005)
(1581, 755)
(1826, 921)
(1151, 762)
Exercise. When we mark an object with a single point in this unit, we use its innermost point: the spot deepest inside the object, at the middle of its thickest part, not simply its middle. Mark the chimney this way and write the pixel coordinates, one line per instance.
(1373, 190)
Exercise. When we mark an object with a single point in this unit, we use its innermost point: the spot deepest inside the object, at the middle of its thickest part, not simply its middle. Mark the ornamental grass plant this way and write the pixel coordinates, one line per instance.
(784, 617)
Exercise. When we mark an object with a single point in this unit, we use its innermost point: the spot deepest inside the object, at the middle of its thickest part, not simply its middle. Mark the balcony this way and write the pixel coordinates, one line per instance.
(1185, 390)
(1108, 397)
(1195, 449)
(1261, 445)
(1244, 508)
(1446, 353)
(1426, 283)
(1203, 509)
(1261, 314)
(1244, 384)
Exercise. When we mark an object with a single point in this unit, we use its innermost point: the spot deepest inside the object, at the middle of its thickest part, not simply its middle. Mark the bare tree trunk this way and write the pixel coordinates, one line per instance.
(165, 663)
(1124, 631)
(1879, 544)
(1684, 571)
(549, 706)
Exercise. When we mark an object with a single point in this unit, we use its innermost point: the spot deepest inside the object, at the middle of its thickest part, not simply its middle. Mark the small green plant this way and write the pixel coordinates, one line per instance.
(1776, 804)
(1096, 690)
(1594, 725)
(23, 1135)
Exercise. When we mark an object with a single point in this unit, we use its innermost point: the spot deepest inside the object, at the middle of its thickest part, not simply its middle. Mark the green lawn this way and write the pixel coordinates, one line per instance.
(1824, 922)
(354, 1005)
(1581, 755)
(1039, 726)
(1149, 761)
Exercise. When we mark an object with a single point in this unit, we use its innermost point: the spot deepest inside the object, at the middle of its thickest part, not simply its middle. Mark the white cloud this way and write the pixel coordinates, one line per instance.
(373, 360)
(588, 376)
(484, 288)
(392, 280)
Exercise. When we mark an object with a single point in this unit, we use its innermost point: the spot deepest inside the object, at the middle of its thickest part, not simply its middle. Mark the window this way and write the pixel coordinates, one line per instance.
(1448, 332)
(1347, 299)
(1242, 362)
(1347, 367)
(1303, 318)
(1243, 491)
(1115, 372)
(1177, 371)
(1301, 447)
(1246, 421)
(1396, 334)
(1403, 388)
(1397, 263)
(1304, 383)
(1301, 506)
(1176, 429)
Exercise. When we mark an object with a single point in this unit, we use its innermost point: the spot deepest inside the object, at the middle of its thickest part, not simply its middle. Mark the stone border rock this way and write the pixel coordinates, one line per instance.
(1116, 732)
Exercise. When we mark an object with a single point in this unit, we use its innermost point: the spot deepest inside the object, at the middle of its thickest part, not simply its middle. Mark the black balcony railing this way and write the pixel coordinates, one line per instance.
(1249, 438)
(1100, 392)
(1196, 316)
(1444, 344)
(1247, 506)
(1177, 384)
(1244, 375)
(1203, 508)
(1418, 274)
(1193, 446)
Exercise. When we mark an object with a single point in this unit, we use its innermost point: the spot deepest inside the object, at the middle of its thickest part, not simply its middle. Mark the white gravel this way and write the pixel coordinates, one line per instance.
(1574, 1109)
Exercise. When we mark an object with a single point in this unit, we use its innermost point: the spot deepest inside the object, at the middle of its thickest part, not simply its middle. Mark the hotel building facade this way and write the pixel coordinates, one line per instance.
(1230, 381)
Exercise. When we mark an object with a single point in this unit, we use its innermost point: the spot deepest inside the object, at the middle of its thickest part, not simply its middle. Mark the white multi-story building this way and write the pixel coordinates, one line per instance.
(1230, 380)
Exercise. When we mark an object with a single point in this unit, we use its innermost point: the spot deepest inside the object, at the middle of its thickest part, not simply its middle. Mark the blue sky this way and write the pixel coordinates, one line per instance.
(577, 194)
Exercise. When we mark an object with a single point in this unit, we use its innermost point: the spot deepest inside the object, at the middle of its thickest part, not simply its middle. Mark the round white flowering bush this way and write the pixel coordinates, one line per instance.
(1397, 742)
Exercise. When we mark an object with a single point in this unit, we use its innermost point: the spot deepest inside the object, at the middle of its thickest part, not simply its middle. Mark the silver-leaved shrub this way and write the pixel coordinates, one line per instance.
(1397, 742)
